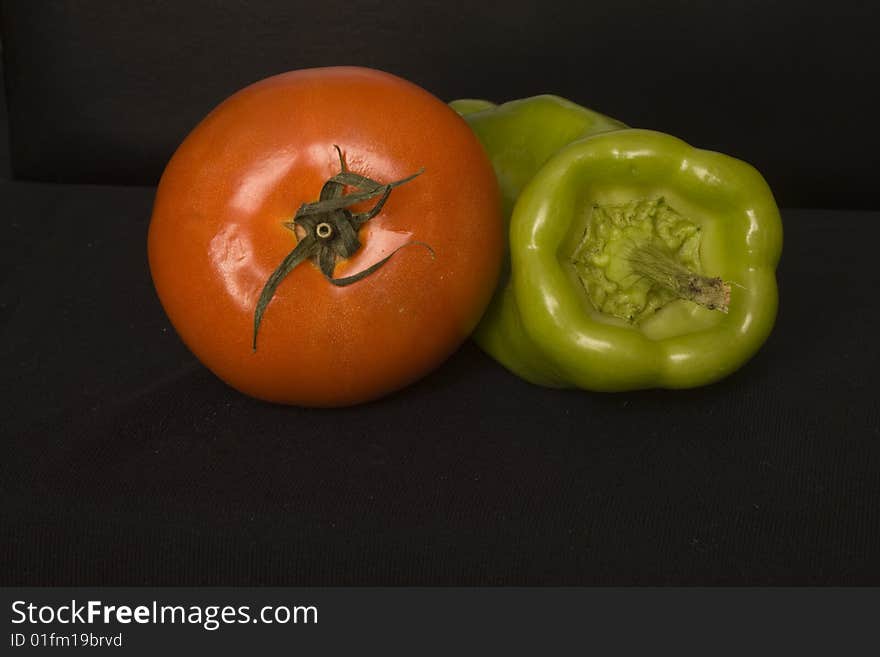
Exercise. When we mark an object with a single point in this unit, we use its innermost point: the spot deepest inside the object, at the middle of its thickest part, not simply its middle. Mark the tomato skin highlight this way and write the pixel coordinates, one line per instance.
(217, 234)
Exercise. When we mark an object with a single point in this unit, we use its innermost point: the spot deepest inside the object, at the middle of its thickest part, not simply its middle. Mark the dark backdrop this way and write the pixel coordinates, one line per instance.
(104, 91)
(4, 132)
(123, 461)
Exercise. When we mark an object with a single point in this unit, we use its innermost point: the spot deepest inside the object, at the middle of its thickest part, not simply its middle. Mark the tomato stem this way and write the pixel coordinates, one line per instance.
(330, 232)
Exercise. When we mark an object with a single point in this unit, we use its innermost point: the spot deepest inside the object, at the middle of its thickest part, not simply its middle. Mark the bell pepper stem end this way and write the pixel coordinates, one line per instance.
(654, 264)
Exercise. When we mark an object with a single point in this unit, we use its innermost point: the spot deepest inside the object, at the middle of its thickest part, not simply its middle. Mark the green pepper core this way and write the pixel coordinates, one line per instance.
(636, 261)
(635, 258)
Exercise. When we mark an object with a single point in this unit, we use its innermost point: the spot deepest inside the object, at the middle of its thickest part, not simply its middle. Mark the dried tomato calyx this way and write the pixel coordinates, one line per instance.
(329, 231)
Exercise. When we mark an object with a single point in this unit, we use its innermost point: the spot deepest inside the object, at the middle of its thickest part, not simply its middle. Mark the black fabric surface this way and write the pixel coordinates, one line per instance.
(125, 462)
(5, 170)
(102, 92)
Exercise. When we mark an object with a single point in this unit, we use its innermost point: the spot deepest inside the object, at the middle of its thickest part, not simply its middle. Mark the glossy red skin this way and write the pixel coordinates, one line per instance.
(216, 235)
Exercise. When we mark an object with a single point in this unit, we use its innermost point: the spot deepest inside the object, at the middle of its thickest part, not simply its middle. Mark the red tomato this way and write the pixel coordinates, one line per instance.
(218, 233)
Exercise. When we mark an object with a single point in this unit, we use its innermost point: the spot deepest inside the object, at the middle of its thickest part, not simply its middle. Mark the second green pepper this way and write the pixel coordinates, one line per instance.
(519, 137)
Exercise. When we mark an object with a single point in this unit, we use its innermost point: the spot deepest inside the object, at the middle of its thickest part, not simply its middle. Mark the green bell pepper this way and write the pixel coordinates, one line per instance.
(519, 137)
(637, 261)
(465, 106)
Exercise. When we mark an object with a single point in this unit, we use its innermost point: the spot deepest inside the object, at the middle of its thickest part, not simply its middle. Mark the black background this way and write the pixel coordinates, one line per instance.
(125, 462)
(104, 91)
